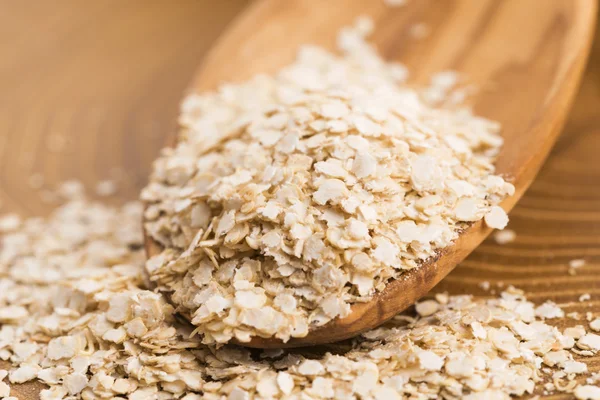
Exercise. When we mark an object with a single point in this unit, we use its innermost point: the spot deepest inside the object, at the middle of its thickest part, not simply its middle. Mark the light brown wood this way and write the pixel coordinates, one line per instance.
(528, 70)
(118, 119)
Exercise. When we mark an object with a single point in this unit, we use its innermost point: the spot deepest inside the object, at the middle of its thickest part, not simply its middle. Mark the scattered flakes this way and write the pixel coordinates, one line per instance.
(395, 3)
(4, 390)
(496, 218)
(71, 190)
(440, 91)
(549, 310)
(75, 383)
(485, 285)
(24, 373)
(310, 368)
(430, 361)
(575, 264)
(107, 336)
(445, 80)
(442, 298)
(77, 260)
(285, 382)
(589, 341)
(595, 325)
(587, 392)
(575, 331)
(505, 236)
(584, 297)
(556, 357)
(64, 347)
(9, 222)
(427, 307)
(106, 188)
(574, 315)
(574, 367)
(594, 378)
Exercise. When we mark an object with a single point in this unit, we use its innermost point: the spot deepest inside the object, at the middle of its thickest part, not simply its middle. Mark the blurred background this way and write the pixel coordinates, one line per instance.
(88, 89)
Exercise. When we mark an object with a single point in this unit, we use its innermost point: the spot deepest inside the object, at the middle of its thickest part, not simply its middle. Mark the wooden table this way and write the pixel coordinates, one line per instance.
(89, 89)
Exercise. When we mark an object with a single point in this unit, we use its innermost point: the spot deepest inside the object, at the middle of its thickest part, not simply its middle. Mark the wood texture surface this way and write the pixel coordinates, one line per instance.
(527, 69)
(107, 76)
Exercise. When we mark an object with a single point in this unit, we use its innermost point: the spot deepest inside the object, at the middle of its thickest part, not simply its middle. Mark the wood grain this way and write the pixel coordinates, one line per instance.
(89, 90)
(69, 68)
(528, 71)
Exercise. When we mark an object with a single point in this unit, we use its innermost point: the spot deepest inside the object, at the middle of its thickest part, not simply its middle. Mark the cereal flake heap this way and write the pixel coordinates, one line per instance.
(290, 197)
(76, 315)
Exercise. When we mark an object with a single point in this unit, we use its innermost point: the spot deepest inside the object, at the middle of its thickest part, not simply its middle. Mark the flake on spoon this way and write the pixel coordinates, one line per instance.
(496, 218)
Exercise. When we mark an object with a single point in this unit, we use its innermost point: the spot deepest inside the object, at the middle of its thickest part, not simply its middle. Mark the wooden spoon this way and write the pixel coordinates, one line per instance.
(525, 56)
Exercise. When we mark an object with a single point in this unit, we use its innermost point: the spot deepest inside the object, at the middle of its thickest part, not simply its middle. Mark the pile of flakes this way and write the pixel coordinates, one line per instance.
(290, 197)
(73, 311)
(76, 315)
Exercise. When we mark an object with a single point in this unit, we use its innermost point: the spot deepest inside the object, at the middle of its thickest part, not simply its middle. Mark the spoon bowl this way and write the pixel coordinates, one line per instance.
(526, 62)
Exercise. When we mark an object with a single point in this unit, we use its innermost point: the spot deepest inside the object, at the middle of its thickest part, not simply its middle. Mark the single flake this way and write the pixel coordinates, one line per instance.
(496, 218)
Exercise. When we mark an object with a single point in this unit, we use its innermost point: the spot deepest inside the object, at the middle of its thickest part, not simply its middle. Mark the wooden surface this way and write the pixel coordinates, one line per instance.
(107, 77)
(528, 71)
